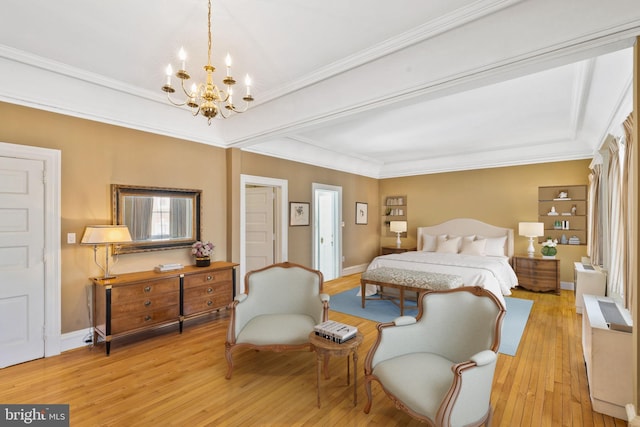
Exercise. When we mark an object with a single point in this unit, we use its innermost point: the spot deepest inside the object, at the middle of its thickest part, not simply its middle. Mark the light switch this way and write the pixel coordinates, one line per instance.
(71, 238)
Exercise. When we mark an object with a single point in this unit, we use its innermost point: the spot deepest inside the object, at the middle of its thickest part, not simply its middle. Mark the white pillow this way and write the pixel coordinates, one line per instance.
(495, 246)
(473, 247)
(430, 242)
(450, 246)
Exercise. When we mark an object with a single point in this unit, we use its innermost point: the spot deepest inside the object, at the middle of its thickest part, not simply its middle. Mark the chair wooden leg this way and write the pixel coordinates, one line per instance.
(227, 354)
(367, 388)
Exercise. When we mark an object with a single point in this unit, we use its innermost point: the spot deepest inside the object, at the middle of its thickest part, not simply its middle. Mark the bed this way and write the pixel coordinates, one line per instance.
(478, 252)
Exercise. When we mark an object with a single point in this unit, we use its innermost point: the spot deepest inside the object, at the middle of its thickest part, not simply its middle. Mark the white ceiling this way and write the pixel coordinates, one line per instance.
(363, 86)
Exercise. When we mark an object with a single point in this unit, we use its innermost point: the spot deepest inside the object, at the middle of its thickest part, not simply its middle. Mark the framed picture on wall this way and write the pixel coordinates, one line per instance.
(298, 213)
(361, 213)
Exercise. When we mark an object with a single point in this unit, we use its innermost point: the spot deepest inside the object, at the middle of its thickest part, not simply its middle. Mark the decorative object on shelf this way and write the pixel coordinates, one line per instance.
(205, 98)
(549, 248)
(105, 235)
(564, 239)
(531, 230)
(202, 251)
(298, 213)
(574, 240)
(362, 213)
(398, 227)
(552, 211)
(574, 209)
(563, 195)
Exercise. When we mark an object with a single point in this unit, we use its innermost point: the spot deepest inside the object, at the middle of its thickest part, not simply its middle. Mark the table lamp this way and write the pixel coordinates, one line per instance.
(105, 235)
(398, 227)
(531, 230)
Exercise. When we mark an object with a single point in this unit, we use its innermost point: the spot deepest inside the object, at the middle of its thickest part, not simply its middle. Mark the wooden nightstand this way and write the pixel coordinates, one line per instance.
(537, 273)
(386, 250)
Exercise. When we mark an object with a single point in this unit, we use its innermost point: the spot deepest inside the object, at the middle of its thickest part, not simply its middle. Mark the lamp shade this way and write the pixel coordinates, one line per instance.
(105, 234)
(398, 226)
(531, 229)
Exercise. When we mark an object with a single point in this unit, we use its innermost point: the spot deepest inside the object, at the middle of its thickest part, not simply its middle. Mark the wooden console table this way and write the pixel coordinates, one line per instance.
(134, 302)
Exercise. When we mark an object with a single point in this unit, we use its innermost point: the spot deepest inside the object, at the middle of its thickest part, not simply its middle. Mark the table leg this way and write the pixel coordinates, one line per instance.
(319, 358)
(401, 301)
(363, 286)
(355, 376)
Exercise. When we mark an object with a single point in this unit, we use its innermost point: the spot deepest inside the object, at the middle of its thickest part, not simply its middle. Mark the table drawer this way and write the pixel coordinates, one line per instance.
(198, 305)
(199, 279)
(144, 289)
(208, 297)
(147, 304)
(139, 320)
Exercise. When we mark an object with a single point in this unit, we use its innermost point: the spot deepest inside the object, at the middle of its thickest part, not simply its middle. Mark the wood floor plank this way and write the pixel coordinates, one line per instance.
(173, 379)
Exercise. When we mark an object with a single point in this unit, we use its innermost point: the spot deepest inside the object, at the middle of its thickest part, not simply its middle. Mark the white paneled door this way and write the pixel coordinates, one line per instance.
(22, 301)
(260, 232)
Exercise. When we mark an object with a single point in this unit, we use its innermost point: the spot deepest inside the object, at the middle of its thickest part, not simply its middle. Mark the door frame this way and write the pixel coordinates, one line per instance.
(280, 215)
(52, 267)
(339, 224)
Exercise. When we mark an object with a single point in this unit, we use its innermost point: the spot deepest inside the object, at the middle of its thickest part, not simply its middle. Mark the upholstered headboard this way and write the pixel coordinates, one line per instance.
(465, 227)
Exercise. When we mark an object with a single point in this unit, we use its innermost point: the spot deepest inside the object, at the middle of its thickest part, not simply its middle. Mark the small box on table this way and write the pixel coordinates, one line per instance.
(335, 331)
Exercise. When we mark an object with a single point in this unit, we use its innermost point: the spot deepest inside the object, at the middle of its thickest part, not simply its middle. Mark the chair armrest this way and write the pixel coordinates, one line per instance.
(404, 320)
(240, 297)
(484, 357)
(325, 297)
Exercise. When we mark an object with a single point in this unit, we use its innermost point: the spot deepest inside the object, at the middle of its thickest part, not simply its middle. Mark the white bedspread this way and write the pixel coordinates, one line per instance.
(490, 272)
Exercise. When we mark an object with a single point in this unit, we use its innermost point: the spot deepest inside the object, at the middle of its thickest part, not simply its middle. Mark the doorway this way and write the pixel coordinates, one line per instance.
(327, 230)
(255, 231)
(30, 247)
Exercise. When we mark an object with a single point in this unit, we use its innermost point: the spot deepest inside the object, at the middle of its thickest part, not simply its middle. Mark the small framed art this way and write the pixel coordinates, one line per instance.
(298, 213)
(361, 213)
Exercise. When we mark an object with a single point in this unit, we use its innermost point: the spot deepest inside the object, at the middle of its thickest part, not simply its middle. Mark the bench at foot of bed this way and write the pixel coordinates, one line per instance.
(410, 280)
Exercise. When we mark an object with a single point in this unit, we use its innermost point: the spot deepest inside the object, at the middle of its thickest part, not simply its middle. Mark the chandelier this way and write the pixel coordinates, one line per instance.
(205, 98)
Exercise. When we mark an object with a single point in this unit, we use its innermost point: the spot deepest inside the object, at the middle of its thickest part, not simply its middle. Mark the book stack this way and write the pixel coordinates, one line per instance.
(335, 331)
(168, 267)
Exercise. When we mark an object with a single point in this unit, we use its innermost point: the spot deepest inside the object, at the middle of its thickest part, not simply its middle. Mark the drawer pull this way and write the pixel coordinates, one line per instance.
(147, 288)
(210, 290)
(147, 318)
(147, 303)
(209, 303)
(209, 278)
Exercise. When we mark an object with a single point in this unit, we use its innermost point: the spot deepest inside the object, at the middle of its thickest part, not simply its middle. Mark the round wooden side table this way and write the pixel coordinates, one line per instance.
(325, 348)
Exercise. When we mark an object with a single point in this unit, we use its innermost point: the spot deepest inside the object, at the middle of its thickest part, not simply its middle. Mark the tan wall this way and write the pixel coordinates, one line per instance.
(95, 155)
(500, 196)
(360, 242)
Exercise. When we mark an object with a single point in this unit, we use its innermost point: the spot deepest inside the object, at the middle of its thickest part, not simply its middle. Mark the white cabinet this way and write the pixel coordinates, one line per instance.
(607, 354)
(588, 281)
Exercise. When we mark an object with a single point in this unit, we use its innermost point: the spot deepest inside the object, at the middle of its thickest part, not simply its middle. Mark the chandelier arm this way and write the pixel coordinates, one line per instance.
(177, 104)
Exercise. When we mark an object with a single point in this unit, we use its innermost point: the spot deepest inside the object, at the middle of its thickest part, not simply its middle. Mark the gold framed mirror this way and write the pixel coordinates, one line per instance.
(158, 218)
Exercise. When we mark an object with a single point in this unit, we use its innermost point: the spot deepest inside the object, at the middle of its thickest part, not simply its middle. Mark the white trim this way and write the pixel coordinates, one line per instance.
(339, 223)
(282, 230)
(354, 269)
(76, 339)
(52, 277)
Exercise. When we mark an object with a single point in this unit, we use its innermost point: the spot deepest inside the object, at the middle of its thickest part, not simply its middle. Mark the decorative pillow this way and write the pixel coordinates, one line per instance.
(430, 242)
(473, 247)
(449, 246)
(495, 246)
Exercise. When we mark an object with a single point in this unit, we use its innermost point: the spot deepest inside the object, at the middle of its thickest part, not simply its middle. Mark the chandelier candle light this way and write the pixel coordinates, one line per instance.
(206, 98)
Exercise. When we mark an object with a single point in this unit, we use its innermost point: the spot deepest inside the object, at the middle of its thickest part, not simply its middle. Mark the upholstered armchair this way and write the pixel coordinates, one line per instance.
(282, 304)
(439, 366)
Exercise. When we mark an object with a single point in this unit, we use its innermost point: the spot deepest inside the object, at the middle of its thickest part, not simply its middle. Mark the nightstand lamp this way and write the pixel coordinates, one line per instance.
(531, 230)
(398, 227)
(105, 235)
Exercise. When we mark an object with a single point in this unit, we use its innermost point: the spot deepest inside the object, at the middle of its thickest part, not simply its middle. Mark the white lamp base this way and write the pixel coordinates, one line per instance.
(398, 241)
(531, 250)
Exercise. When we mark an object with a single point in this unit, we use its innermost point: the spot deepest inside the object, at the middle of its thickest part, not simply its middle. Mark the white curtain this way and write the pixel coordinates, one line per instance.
(617, 241)
(627, 178)
(594, 227)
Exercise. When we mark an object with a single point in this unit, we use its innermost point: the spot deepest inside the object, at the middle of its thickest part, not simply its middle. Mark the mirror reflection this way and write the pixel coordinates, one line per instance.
(157, 218)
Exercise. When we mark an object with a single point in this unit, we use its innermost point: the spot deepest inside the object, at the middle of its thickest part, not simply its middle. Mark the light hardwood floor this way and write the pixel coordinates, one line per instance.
(169, 379)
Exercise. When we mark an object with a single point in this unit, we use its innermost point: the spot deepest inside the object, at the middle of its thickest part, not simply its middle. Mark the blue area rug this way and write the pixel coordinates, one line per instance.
(513, 325)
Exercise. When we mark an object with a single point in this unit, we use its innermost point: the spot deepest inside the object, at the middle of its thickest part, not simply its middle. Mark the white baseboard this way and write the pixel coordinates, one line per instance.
(354, 269)
(567, 286)
(76, 339)
(632, 417)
